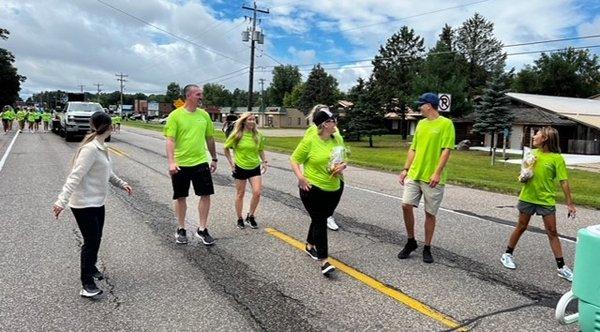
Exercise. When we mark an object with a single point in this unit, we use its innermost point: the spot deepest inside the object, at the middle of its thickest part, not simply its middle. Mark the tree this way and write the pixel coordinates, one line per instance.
(285, 78)
(493, 114)
(320, 88)
(173, 92)
(216, 95)
(570, 73)
(293, 99)
(10, 80)
(483, 52)
(366, 117)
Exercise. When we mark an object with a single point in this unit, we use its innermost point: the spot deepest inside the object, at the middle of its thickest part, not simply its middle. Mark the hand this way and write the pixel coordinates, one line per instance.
(402, 176)
(128, 189)
(57, 210)
(338, 169)
(435, 180)
(213, 166)
(572, 211)
(174, 169)
(263, 168)
(303, 184)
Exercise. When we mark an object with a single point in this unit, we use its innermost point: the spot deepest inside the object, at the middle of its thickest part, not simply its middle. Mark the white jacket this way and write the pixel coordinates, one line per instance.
(87, 185)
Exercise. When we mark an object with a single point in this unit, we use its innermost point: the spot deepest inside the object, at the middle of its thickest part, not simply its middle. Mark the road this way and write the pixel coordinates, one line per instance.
(257, 279)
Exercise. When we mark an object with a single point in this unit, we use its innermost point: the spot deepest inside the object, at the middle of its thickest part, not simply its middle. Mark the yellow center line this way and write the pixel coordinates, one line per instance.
(377, 285)
(117, 151)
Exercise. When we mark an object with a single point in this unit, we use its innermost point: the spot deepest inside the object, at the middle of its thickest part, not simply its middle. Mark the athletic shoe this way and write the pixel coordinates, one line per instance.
(250, 220)
(205, 237)
(90, 290)
(312, 252)
(507, 261)
(180, 236)
(98, 275)
(331, 224)
(427, 258)
(240, 223)
(565, 273)
(327, 268)
(409, 247)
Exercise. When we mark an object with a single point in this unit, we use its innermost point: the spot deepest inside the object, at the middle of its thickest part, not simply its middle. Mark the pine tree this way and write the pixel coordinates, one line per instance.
(366, 117)
(319, 88)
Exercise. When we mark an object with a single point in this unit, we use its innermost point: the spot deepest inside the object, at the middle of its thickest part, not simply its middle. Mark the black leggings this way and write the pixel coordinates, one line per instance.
(320, 205)
(90, 221)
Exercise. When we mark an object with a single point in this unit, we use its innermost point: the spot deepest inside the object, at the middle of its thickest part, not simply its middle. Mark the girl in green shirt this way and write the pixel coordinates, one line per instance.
(21, 116)
(248, 164)
(31, 120)
(538, 197)
(318, 164)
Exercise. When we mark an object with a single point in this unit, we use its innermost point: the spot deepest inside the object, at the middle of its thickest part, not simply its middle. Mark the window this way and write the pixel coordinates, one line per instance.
(299, 121)
(289, 121)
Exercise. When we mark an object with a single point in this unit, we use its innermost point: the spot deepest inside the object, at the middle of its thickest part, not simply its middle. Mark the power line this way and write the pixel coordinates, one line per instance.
(552, 40)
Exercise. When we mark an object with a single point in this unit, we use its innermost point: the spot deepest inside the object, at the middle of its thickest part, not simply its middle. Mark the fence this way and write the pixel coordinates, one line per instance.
(577, 146)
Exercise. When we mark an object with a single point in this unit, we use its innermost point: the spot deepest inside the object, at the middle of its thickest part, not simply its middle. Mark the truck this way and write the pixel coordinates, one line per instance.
(75, 119)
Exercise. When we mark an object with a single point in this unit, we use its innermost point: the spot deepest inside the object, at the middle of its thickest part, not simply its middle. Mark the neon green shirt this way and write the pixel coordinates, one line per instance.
(314, 154)
(46, 117)
(541, 189)
(190, 131)
(21, 115)
(31, 117)
(247, 151)
(117, 120)
(431, 137)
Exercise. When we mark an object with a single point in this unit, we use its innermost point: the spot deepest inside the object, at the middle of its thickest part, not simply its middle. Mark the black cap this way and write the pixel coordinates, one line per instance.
(321, 116)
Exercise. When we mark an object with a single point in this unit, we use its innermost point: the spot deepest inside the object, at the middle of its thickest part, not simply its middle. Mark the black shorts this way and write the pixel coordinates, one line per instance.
(198, 175)
(38, 120)
(244, 174)
(531, 209)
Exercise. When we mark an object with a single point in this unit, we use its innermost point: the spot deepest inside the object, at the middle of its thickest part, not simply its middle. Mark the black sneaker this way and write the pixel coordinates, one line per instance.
(181, 236)
(409, 247)
(427, 258)
(312, 252)
(240, 223)
(250, 220)
(90, 290)
(327, 268)
(205, 237)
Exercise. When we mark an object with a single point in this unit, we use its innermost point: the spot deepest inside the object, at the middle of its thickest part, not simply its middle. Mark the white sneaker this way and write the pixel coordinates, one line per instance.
(565, 273)
(331, 224)
(507, 261)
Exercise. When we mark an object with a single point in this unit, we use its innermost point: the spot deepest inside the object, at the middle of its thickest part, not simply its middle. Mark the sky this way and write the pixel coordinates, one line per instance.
(64, 44)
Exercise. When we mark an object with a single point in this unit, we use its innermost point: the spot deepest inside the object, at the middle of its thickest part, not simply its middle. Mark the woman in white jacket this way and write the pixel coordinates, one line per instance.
(85, 193)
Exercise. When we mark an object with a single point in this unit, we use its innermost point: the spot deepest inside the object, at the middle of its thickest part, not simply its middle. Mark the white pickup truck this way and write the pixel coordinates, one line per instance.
(75, 120)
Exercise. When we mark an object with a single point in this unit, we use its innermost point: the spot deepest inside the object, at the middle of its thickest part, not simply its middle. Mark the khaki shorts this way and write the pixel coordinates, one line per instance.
(413, 190)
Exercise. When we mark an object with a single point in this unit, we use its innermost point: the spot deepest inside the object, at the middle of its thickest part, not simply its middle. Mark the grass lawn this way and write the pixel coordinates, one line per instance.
(466, 168)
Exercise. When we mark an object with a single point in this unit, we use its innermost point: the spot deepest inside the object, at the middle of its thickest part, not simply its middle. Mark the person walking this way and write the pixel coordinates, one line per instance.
(189, 131)
(31, 117)
(247, 165)
(317, 164)
(538, 196)
(46, 118)
(229, 123)
(424, 172)
(21, 117)
(8, 115)
(85, 192)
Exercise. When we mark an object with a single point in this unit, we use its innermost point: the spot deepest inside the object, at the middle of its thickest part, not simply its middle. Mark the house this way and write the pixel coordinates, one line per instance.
(272, 117)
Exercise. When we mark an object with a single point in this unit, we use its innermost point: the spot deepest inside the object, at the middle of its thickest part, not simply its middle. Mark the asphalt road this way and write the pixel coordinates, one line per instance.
(251, 279)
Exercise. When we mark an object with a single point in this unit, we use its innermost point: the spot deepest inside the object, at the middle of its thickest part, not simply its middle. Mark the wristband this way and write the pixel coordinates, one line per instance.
(215, 160)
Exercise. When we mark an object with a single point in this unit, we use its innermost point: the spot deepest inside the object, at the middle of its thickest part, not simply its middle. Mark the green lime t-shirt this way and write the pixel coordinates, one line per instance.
(190, 131)
(31, 117)
(117, 120)
(541, 188)
(247, 151)
(8, 115)
(21, 115)
(314, 154)
(430, 139)
(46, 117)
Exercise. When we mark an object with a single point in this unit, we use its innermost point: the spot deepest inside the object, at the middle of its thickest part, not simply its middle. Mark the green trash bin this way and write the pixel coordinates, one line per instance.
(586, 283)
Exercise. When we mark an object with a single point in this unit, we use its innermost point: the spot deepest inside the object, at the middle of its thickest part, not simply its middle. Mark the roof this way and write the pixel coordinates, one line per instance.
(527, 116)
(582, 110)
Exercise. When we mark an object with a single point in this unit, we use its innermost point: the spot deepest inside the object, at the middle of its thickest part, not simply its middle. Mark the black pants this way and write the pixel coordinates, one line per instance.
(320, 205)
(90, 221)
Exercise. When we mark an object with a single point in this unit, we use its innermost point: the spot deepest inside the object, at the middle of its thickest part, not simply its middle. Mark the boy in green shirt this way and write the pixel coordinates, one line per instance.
(189, 130)
(423, 173)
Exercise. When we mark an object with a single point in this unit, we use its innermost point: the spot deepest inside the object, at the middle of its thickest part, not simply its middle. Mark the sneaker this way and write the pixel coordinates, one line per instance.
(180, 236)
(507, 261)
(565, 273)
(251, 221)
(205, 237)
(90, 290)
(331, 224)
(409, 247)
(427, 258)
(327, 268)
(240, 223)
(98, 275)
(312, 252)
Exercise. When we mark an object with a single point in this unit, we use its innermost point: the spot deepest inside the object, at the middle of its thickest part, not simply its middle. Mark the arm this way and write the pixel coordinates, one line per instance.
(302, 183)
(409, 160)
(210, 142)
(567, 190)
(265, 163)
(173, 168)
(227, 153)
(435, 179)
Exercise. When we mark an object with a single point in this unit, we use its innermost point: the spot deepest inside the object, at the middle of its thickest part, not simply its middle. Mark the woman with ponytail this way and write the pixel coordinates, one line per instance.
(85, 192)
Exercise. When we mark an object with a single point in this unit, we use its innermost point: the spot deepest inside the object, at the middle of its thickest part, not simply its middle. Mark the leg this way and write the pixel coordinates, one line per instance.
(307, 201)
(256, 183)
(519, 230)
(88, 223)
(550, 225)
(429, 228)
(409, 220)
(180, 211)
(240, 189)
(203, 208)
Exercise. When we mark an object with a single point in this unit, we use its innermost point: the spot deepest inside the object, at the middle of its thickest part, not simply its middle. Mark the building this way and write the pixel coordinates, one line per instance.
(272, 117)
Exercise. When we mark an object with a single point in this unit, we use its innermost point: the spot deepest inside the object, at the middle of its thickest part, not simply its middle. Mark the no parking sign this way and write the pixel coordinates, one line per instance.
(445, 102)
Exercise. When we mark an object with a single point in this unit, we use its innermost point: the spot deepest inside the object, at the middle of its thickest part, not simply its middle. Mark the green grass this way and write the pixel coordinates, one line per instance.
(465, 168)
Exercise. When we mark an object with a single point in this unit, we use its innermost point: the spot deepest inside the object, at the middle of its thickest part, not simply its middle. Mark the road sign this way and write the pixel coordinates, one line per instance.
(445, 102)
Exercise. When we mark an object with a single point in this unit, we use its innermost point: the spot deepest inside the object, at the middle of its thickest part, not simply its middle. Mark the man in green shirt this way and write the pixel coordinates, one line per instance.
(423, 173)
(8, 115)
(189, 131)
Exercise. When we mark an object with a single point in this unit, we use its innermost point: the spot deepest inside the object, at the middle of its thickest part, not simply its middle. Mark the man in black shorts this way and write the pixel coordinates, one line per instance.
(189, 131)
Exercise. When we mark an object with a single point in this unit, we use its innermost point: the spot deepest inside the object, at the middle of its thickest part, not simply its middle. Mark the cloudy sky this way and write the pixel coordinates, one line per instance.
(62, 44)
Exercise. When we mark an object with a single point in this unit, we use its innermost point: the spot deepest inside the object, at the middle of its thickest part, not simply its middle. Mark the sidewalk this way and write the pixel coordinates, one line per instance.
(570, 159)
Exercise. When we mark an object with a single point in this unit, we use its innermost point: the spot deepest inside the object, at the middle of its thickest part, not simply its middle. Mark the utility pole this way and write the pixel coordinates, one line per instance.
(262, 92)
(254, 36)
(98, 85)
(121, 79)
